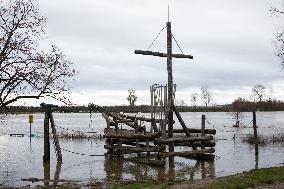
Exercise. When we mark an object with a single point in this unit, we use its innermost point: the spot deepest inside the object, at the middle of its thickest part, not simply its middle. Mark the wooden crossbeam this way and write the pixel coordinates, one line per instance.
(152, 53)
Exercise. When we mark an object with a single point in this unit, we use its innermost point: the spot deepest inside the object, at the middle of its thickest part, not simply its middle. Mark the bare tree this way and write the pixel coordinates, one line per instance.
(193, 99)
(258, 92)
(206, 95)
(276, 9)
(132, 98)
(25, 72)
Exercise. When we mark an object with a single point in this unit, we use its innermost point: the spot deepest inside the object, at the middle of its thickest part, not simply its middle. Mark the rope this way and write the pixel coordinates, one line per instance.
(81, 153)
(177, 44)
(247, 125)
(156, 38)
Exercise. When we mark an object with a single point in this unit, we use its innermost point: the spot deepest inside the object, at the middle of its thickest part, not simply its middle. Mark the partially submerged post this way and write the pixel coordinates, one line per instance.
(255, 133)
(49, 119)
(202, 130)
(46, 146)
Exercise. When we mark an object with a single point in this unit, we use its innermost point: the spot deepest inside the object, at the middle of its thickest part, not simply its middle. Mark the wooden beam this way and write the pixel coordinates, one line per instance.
(152, 53)
(189, 139)
(196, 144)
(139, 118)
(108, 120)
(183, 126)
(187, 153)
(130, 149)
(132, 136)
(207, 131)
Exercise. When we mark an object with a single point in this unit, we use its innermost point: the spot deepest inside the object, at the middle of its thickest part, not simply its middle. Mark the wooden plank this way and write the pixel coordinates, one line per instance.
(197, 144)
(131, 149)
(187, 153)
(152, 53)
(108, 120)
(139, 118)
(189, 139)
(17, 134)
(207, 131)
(125, 135)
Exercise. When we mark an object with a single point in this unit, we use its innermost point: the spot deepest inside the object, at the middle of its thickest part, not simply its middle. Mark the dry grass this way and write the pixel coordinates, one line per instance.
(79, 136)
(265, 140)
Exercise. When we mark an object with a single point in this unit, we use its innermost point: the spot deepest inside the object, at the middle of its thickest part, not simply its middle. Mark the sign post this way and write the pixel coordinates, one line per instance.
(31, 120)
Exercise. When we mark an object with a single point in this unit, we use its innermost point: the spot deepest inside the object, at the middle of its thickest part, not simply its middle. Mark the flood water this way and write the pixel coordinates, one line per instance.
(21, 158)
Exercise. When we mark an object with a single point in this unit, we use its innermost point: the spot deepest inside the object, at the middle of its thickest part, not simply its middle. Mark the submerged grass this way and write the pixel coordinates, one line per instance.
(265, 140)
(79, 135)
(239, 181)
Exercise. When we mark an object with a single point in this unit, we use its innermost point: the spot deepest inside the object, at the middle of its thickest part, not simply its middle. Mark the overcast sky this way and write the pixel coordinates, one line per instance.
(231, 41)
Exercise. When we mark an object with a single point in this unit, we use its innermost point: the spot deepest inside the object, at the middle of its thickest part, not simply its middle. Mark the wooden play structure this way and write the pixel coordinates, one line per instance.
(159, 139)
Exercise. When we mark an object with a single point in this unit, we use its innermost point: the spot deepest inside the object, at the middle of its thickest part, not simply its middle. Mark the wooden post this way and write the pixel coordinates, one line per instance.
(183, 126)
(137, 140)
(255, 133)
(170, 84)
(202, 130)
(46, 172)
(46, 155)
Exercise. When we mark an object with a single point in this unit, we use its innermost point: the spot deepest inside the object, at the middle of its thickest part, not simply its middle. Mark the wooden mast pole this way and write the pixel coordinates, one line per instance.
(170, 83)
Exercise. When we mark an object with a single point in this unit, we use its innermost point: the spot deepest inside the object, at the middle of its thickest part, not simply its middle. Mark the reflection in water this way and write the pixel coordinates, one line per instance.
(46, 169)
(117, 169)
(113, 168)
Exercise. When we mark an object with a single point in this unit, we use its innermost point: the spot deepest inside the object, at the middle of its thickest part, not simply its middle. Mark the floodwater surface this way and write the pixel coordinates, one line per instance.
(22, 158)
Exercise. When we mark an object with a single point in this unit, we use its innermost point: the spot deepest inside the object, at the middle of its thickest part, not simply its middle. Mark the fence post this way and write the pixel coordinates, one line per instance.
(255, 133)
(202, 129)
(46, 155)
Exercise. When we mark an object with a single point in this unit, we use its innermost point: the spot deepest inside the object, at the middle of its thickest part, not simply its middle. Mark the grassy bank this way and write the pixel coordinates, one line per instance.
(243, 180)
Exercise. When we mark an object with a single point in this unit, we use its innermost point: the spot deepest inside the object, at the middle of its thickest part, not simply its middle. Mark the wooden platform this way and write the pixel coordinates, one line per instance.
(17, 134)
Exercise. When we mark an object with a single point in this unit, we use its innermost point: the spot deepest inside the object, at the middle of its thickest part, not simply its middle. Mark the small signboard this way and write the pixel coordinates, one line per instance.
(31, 118)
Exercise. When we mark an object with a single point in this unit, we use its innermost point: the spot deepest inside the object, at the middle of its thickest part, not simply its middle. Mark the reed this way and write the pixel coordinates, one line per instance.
(265, 140)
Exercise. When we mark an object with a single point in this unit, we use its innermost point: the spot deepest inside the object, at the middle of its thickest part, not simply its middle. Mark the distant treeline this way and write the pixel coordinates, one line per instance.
(243, 105)
(239, 105)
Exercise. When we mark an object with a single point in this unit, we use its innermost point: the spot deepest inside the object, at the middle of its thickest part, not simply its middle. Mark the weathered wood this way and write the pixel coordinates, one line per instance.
(170, 85)
(183, 126)
(197, 144)
(46, 148)
(152, 53)
(154, 125)
(132, 125)
(125, 135)
(17, 134)
(108, 120)
(131, 149)
(189, 139)
(255, 133)
(202, 130)
(55, 138)
(130, 142)
(207, 131)
(139, 118)
(187, 153)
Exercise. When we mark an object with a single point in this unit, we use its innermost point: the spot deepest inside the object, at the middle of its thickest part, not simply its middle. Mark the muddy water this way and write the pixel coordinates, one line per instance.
(22, 159)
